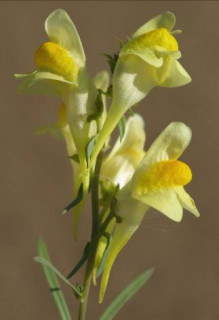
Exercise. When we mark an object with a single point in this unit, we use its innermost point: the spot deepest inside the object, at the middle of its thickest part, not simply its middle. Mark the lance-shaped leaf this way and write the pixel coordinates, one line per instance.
(80, 262)
(47, 263)
(126, 295)
(75, 201)
(53, 283)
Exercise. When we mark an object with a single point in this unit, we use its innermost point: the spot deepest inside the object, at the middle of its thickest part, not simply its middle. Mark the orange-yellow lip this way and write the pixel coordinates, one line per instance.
(57, 59)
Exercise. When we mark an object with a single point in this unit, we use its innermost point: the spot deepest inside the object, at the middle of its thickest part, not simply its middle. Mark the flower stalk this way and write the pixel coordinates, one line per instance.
(94, 238)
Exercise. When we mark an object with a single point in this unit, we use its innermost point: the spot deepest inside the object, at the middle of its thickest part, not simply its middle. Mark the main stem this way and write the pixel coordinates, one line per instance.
(94, 239)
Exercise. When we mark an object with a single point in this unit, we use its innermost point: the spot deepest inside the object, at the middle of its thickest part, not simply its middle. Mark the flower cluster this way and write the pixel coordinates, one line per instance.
(130, 178)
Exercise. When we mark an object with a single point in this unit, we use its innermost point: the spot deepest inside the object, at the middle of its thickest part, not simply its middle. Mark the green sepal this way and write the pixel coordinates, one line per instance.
(53, 283)
(125, 295)
(80, 262)
(103, 261)
(99, 107)
(112, 60)
(75, 158)
(130, 112)
(121, 126)
(75, 201)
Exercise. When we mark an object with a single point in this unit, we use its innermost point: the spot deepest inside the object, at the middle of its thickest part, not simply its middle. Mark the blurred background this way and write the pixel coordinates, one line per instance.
(37, 180)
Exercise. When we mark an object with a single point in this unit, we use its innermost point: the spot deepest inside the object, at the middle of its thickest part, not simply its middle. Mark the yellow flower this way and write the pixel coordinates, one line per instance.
(74, 144)
(160, 178)
(118, 168)
(61, 71)
(147, 60)
(158, 182)
(59, 60)
(120, 164)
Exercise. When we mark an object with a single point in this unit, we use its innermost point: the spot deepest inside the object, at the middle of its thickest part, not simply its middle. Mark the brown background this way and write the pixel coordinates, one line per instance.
(36, 176)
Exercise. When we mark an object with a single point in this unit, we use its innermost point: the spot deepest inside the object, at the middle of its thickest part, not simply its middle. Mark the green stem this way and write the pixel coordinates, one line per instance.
(94, 239)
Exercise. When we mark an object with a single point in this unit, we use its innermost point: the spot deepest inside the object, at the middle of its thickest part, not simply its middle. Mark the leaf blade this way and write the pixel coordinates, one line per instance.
(48, 264)
(125, 295)
(78, 199)
(80, 262)
(54, 284)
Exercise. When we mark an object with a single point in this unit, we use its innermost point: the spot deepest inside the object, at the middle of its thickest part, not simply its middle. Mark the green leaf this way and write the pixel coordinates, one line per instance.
(54, 284)
(75, 201)
(47, 263)
(125, 295)
(89, 148)
(121, 126)
(80, 262)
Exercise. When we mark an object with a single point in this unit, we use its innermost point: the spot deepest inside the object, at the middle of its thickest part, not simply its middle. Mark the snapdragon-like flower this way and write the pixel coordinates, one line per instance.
(118, 168)
(58, 61)
(148, 59)
(61, 70)
(158, 182)
(120, 164)
(61, 129)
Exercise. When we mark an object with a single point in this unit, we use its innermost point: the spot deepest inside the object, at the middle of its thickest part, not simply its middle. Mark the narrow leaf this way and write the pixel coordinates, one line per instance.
(121, 126)
(80, 262)
(75, 201)
(125, 295)
(47, 263)
(89, 148)
(103, 261)
(54, 284)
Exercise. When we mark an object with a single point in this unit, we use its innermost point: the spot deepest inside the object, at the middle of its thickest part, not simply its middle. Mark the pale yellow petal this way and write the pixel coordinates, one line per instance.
(165, 20)
(172, 74)
(133, 139)
(42, 82)
(146, 54)
(132, 213)
(186, 201)
(61, 29)
(165, 201)
(120, 164)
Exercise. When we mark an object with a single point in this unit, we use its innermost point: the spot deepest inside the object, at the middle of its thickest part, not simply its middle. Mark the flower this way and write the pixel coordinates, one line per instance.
(148, 59)
(118, 168)
(160, 177)
(61, 129)
(120, 164)
(158, 182)
(61, 70)
(59, 60)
